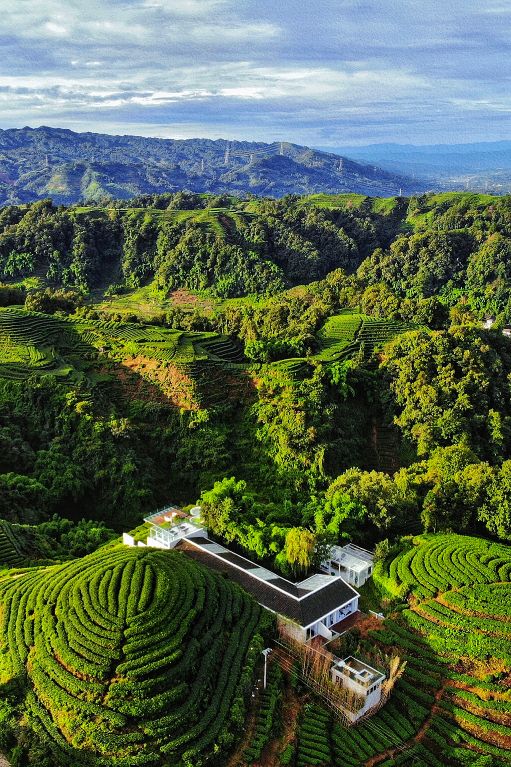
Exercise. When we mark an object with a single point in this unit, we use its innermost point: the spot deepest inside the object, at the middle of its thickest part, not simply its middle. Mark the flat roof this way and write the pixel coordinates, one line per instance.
(352, 557)
(362, 670)
(306, 602)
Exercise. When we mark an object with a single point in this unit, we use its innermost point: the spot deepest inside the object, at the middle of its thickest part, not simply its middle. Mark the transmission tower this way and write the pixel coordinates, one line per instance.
(202, 165)
(281, 151)
(341, 165)
(227, 155)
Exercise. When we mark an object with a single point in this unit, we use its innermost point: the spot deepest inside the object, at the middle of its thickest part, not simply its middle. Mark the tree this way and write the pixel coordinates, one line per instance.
(299, 549)
(226, 507)
(495, 510)
(375, 491)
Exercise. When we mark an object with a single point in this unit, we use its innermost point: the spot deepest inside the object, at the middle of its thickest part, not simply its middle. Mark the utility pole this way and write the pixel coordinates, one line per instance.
(227, 154)
(266, 652)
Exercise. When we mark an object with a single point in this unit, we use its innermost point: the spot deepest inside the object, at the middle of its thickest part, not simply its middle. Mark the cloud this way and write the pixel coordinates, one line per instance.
(400, 69)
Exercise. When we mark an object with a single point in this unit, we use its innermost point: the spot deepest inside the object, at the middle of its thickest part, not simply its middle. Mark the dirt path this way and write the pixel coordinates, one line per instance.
(290, 713)
(417, 738)
(236, 758)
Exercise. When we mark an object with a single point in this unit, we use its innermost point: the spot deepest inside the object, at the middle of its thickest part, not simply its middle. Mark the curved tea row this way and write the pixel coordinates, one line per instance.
(131, 656)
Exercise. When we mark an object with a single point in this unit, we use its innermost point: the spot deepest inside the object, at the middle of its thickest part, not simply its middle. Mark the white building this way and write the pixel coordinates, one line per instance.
(363, 681)
(351, 562)
(316, 606)
(169, 526)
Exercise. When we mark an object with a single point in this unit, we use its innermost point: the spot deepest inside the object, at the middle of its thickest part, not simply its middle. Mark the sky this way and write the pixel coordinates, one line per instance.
(326, 73)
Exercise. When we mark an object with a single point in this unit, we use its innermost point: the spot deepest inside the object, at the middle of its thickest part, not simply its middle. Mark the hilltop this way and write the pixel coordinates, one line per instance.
(70, 167)
(128, 657)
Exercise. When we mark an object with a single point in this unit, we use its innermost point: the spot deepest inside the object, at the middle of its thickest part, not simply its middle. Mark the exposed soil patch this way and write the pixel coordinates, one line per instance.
(183, 299)
(134, 386)
(175, 385)
(368, 623)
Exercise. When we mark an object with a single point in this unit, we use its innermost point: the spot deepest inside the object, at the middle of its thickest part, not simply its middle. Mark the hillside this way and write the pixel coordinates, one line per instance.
(449, 616)
(446, 601)
(128, 657)
(363, 402)
(69, 167)
(230, 247)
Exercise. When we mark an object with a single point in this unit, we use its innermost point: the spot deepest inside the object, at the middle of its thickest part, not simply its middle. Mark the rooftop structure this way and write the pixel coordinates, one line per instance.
(363, 681)
(316, 606)
(351, 562)
(169, 526)
(313, 605)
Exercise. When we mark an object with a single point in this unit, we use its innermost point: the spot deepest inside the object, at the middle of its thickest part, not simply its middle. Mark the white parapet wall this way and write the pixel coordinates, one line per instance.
(128, 539)
(157, 544)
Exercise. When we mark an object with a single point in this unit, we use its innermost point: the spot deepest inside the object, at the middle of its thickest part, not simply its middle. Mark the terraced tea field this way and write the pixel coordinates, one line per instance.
(128, 656)
(344, 335)
(32, 343)
(219, 221)
(455, 632)
(10, 546)
(452, 706)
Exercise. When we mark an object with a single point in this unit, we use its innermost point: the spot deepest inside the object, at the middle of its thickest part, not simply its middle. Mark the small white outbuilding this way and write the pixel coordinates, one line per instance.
(351, 562)
(363, 682)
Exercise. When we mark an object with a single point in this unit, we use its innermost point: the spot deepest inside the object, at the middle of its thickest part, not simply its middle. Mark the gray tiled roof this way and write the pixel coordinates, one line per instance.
(279, 595)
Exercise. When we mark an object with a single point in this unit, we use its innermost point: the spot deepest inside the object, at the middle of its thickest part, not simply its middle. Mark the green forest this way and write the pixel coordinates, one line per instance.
(310, 370)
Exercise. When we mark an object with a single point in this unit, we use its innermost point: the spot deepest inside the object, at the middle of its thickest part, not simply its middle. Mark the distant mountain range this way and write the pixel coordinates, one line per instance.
(479, 166)
(69, 167)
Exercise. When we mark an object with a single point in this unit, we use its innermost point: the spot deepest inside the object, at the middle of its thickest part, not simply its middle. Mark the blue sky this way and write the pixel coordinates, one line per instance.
(322, 73)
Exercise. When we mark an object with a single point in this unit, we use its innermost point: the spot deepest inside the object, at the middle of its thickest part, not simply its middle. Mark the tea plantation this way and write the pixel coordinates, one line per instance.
(453, 704)
(32, 343)
(343, 336)
(129, 656)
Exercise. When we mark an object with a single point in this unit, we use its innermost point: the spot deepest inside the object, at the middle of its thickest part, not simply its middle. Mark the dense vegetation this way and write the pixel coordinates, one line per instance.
(366, 404)
(125, 657)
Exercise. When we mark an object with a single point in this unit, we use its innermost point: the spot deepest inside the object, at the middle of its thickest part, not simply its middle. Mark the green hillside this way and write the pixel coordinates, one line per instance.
(33, 343)
(128, 657)
(11, 546)
(342, 337)
(452, 705)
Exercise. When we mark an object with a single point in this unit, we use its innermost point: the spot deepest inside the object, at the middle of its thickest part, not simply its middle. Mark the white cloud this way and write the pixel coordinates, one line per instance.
(290, 69)
(55, 29)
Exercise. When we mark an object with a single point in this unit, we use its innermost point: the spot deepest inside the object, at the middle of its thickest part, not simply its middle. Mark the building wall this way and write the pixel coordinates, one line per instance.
(371, 699)
(293, 630)
(334, 617)
(156, 544)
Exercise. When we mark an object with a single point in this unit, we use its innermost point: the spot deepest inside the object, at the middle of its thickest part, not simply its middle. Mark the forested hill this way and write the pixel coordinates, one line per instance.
(448, 246)
(69, 167)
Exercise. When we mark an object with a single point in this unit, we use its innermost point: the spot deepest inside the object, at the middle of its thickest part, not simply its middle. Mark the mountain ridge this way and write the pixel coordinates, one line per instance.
(482, 165)
(36, 163)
